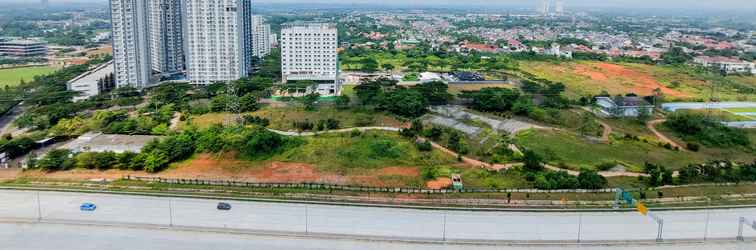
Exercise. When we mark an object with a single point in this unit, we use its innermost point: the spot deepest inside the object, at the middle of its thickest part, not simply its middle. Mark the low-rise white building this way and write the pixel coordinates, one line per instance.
(92, 83)
(727, 64)
(629, 106)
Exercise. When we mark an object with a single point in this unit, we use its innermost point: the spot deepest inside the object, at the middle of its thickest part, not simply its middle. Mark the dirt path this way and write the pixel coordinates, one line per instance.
(175, 121)
(469, 160)
(651, 125)
(607, 130)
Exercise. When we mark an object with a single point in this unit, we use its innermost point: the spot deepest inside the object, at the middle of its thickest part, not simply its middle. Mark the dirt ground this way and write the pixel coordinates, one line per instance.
(639, 83)
(226, 167)
(439, 183)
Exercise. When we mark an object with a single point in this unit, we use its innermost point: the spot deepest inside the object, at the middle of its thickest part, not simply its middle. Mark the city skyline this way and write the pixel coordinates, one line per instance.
(640, 4)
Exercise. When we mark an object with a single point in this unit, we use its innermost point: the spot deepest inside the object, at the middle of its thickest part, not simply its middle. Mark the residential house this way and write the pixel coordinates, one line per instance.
(627, 106)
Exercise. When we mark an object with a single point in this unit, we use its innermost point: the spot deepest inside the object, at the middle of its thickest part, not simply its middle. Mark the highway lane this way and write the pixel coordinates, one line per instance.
(374, 222)
(24, 236)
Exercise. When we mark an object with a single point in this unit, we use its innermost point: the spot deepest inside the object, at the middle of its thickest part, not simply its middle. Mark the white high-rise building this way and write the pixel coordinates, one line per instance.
(218, 38)
(543, 8)
(559, 7)
(261, 37)
(308, 53)
(166, 36)
(131, 48)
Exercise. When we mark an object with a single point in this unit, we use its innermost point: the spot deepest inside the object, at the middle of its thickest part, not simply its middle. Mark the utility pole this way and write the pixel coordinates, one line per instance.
(742, 222)
(170, 211)
(39, 208)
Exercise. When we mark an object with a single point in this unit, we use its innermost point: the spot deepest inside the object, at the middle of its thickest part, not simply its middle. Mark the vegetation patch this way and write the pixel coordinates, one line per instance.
(575, 152)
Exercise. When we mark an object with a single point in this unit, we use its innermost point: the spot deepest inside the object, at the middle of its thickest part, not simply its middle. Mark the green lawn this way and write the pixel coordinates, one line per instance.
(566, 148)
(12, 77)
(742, 110)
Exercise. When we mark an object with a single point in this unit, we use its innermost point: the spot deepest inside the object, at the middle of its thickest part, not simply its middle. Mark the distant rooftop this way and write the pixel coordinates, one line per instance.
(22, 42)
(309, 25)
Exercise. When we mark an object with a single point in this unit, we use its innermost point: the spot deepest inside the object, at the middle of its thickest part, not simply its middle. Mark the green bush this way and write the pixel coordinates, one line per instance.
(699, 128)
(424, 146)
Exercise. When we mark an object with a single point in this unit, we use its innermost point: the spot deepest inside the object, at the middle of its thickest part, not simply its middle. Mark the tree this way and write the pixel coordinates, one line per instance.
(533, 161)
(387, 67)
(456, 143)
(435, 92)
(493, 99)
(261, 143)
(675, 56)
(405, 102)
(219, 103)
(310, 100)
(342, 102)
(590, 179)
(248, 103)
(57, 159)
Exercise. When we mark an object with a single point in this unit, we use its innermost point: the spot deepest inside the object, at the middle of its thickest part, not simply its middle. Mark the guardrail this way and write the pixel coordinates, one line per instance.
(324, 186)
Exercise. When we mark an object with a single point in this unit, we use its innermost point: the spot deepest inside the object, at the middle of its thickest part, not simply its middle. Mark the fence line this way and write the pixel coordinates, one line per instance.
(325, 186)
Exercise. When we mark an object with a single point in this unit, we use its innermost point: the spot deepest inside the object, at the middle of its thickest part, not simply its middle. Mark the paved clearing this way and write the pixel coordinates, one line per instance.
(454, 117)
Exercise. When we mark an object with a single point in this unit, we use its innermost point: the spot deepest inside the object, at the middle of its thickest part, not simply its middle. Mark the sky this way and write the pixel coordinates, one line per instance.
(616, 4)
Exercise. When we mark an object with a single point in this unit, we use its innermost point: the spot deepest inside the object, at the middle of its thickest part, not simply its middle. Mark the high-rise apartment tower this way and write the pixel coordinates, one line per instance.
(261, 37)
(218, 37)
(308, 53)
(131, 48)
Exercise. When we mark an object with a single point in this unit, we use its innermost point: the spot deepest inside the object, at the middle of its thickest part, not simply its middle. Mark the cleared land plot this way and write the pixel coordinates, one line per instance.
(283, 118)
(558, 147)
(12, 77)
(587, 77)
(371, 159)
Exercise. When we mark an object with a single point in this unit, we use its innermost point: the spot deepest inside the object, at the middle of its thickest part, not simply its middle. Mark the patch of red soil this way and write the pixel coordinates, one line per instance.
(439, 183)
(381, 177)
(81, 174)
(585, 71)
(284, 172)
(9, 174)
(227, 167)
(641, 83)
(400, 171)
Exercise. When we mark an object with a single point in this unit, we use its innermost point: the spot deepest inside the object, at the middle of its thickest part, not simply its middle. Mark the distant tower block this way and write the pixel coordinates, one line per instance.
(543, 7)
(560, 7)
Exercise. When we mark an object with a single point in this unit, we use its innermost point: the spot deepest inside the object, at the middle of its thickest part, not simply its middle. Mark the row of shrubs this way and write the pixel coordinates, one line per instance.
(251, 142)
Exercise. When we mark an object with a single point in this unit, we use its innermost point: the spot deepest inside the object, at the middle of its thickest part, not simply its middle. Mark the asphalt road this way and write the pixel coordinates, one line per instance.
(369, 222)
(23, 236)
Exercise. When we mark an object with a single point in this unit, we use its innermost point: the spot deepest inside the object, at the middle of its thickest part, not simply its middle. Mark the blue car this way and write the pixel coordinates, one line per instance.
(88, 207)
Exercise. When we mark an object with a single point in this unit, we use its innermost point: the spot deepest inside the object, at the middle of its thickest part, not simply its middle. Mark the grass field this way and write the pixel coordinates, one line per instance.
(12, 77)
(565, 148)
(742, 110)
(589, 77)
(283, 118)
(371, 159)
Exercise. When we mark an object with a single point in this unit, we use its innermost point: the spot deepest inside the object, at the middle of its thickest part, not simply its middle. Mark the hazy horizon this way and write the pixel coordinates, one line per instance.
(673, 5)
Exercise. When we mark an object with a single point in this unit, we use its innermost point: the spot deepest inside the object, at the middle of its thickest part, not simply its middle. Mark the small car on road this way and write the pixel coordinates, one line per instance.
(224, 206)
(88, 207)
